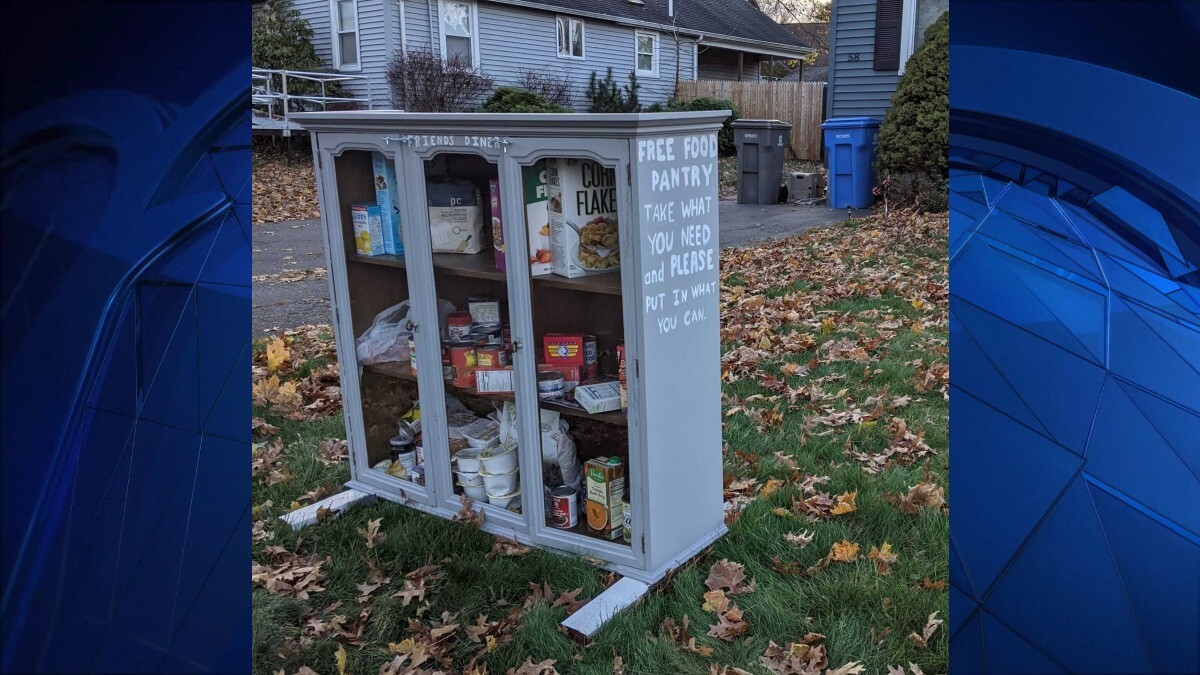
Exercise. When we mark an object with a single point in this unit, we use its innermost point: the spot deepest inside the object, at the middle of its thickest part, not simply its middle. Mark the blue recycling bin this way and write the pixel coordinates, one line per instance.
(850, 151)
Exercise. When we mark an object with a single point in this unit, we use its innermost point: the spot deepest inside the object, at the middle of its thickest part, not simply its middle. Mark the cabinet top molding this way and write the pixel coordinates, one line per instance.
(521, 124)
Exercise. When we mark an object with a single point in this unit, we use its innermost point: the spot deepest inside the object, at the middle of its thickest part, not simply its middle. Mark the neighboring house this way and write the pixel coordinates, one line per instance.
(664, 41)
(869, 42)
(815, 35)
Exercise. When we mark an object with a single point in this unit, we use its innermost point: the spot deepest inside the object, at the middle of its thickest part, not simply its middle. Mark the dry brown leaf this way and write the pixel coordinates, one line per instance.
(276, 355)
(333, 451)
(883, 558)
(921, 639)
(372, 533)
(730, 624)
(770, 487)
(730, 576)
(468, 515)
(715, 601)
(920, 496)
(530, 668)
(509, 548)
(845, 503)
(679, 635)
(800, 540)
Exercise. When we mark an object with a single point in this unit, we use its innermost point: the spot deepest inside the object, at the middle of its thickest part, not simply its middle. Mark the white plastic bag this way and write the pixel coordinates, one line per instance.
(386, 340)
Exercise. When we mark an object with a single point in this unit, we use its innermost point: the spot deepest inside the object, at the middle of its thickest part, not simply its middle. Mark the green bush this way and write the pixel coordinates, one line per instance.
(518, 100)
(914, 138)
(281, 40)
(607, 97)
(725, 135)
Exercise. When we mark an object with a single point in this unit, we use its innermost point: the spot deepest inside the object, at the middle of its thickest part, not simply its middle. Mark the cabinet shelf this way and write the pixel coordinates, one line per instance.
(402, 372)
(483, 266)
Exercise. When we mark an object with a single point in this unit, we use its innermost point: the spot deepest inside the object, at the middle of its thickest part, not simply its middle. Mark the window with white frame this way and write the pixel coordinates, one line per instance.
(345, 34)
(460, 29)
(647, 53)
(570, 38)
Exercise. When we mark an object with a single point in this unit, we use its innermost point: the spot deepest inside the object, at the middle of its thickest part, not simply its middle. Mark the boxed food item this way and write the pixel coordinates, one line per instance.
(497, 225)
(583, 217)
(387, 196)
(455, 217)
(494, 380)
(564, 348)
(537, 220)
(598, 398)
(368, 229)
(605, 478)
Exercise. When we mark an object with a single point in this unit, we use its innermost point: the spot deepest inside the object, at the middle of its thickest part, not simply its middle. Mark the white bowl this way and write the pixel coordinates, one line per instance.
(476, 493)
(468, 460)
(468, 478)
(510, 501)
(503, 461)
(501, 483)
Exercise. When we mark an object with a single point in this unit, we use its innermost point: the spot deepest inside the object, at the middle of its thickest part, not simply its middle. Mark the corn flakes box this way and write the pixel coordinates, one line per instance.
(582, 209)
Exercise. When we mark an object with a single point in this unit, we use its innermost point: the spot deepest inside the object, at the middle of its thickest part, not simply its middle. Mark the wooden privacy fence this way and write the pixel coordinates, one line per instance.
(801, 104)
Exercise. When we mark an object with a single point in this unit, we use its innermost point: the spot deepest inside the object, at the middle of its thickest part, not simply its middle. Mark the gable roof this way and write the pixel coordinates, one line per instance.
(725, 21)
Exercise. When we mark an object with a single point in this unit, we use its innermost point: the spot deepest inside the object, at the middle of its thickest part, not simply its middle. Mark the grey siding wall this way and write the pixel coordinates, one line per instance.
(376, 42)
(722, 64)
(511, 39)
(855, 88)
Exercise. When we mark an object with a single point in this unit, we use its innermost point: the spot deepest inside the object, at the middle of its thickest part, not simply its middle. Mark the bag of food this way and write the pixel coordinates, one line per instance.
(386, 340)
(455, 217)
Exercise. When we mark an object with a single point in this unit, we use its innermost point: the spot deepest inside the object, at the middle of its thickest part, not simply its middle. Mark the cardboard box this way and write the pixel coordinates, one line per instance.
(494, 380)
(368, 229)
(387, 197)
(598, 398)
(497, 224)
(583, 217)
(537, 220)
(563, 349)
(605, 489)
(455, 217)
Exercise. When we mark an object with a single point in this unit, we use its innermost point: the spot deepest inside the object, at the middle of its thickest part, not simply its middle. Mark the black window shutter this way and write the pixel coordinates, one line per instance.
(887, 34)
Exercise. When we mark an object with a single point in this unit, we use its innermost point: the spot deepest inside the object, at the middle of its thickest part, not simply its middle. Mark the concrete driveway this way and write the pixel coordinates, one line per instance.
(291, 287)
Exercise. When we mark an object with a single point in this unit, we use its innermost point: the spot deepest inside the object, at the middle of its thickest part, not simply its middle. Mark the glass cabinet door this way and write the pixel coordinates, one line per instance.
(468, 390)
(375, 311)
(567, 237)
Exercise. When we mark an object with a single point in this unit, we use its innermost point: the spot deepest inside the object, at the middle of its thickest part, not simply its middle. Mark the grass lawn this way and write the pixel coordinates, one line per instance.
(835, 372)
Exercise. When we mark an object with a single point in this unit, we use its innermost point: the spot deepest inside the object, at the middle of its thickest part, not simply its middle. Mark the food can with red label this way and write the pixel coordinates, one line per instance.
(491, 356)
(462, 359)
(447, 367)
(564, 508)
(591, 356)
(458, 325)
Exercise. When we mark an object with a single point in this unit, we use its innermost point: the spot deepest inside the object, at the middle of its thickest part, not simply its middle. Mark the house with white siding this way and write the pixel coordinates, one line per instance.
(869, 42)
(662, 41)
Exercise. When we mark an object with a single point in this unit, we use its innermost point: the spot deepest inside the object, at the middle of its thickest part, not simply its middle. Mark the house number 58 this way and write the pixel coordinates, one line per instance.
(852, 57)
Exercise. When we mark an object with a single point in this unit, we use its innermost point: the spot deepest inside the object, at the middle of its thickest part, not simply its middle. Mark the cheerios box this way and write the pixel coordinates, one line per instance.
(368, 229)
(582, 210)
(387, 196)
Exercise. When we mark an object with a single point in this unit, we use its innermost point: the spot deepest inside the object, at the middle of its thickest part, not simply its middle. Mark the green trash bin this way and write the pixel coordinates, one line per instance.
(761, 145)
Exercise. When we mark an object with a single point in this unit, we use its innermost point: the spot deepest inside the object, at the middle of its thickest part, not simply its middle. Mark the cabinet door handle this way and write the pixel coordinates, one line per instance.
(410, 326)
(516, 346)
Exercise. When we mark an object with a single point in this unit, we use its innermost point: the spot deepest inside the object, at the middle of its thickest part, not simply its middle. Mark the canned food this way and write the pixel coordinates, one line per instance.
(462, 362)
(591, 356)
(447, 367)
(399, 444)
(458, 325)
(628, 516)
(564, 507)
(551, 385)
(491, 356)
(478, 339)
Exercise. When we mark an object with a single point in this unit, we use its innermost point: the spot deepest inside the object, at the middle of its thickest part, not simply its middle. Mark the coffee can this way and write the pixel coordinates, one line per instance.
(564, 508)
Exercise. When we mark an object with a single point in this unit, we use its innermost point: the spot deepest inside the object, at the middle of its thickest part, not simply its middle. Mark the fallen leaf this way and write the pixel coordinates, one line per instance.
(509, 548)
(341, 660)
(729, 576)
(844, 551)
(679, 635)
(372, 533)
(921, 639)
(883, 558)
(530, 668)
(770, 487)
(715, 601)
(845, 503)
(801, 540)
(276, 354)
(333, 451)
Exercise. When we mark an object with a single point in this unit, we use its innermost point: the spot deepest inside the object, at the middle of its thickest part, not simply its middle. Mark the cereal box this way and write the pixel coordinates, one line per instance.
(583, 217)
(368, 229)
(387, 196)
(497, 224)
(537, 219)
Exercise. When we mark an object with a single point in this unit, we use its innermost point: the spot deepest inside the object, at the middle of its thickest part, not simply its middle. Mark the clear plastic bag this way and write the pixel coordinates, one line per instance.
(386, 340)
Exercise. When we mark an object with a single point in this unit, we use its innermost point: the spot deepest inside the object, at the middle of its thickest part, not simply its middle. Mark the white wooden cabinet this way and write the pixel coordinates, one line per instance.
(662, 304)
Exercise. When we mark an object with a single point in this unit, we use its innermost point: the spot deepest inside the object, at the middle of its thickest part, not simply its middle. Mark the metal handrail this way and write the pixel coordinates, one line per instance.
(263, 93)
